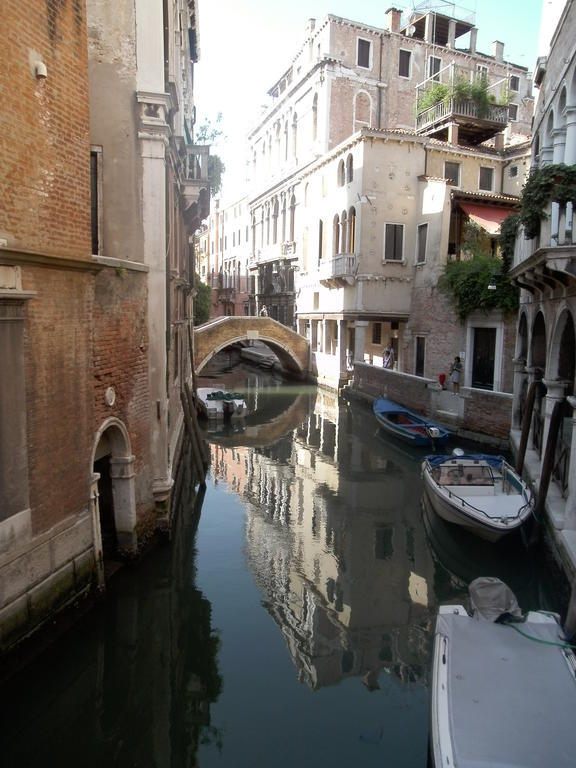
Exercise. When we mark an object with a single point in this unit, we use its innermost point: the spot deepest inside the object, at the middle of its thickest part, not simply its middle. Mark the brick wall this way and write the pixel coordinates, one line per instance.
(58, 372)
(483, 413)
(121, 362)
(44, 137)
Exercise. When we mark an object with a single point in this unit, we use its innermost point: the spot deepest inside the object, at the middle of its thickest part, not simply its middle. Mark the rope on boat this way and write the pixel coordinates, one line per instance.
(571, 646)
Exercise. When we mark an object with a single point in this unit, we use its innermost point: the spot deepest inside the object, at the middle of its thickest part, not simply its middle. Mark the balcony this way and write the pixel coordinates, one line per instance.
(548, 262)
(474, 125)
(339, 271)
(194, 179)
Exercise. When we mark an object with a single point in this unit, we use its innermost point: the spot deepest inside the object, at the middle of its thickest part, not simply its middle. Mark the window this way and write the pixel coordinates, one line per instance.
(393, 242)
(419, 356)
(486, 179)
(513, 172)
(514, 83)
(434, 65)
(363, 53)
(513, 112)
(421, 244)
(376, 333)
(341, 178)
(96, 199)
(404, 58)
(14, 492)
(482, 70)
(349, 169)
(452, 173)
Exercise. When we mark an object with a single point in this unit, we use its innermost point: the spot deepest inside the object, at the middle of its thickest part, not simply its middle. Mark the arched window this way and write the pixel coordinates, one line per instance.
(362, 111)
(283, 218)
(285, 141)
(341, 174)
(315, 117)
(349, 169)
(336, 235)
(278, 145)
(344, 231)
(275, 222)
(294, 135)
(267, 223)
(320, 239)
(351, 230)
(292, 217)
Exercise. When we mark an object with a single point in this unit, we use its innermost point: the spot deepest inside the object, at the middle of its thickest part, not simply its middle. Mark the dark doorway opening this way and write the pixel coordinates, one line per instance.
(483, 359)
(106, 507)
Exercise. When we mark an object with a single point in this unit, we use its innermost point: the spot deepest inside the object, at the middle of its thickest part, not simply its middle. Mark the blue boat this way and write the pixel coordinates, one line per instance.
(408, 426)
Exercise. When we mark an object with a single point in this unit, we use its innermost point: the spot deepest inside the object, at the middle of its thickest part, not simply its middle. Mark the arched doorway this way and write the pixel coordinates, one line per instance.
(538, 362)
(114, 494)
(563, 368)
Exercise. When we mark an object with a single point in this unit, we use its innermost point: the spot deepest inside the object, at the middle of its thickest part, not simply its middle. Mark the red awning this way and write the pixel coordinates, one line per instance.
(489, 217)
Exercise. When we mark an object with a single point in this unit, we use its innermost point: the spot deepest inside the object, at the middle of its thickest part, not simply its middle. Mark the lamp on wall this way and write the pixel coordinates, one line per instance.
(492, 284)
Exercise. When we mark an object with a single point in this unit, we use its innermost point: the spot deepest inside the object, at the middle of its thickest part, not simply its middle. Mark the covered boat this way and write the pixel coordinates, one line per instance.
(503, 685)
(406, 425)
(219, 404)
(478, 491)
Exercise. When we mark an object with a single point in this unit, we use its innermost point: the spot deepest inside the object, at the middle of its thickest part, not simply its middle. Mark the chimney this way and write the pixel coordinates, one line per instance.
(498, 50)
(311, 26)
(393, 16)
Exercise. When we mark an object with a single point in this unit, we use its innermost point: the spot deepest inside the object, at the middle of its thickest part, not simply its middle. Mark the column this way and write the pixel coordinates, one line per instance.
(341, 349)
(570, 144)
(570, 518)
(559, 145)
(520, 378)
(556, 390)
(124, 495)
(360, 340)
(153, 133)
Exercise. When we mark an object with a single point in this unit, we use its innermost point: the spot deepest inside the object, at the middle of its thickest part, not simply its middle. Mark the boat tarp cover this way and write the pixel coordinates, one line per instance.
(491, 598)
(435, 460)
(382, 405)
(511, 699)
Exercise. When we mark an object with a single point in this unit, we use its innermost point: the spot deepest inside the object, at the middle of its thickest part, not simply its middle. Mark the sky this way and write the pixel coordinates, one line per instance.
(246, 45)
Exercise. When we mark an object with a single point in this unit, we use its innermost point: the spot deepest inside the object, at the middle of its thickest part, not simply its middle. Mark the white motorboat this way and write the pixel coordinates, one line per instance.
(503, 694)
(480, 492)
(218, 404)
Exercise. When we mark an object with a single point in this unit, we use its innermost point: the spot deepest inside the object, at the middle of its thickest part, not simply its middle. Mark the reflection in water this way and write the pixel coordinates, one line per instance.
(133, 683)
(292, 624)
(331, 542)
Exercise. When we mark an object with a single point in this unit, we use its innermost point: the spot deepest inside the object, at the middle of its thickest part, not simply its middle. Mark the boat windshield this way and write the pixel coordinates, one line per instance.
(462, 474)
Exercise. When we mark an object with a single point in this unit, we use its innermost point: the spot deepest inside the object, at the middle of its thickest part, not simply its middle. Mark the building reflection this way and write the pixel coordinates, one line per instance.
(135, 679)
(335, 542)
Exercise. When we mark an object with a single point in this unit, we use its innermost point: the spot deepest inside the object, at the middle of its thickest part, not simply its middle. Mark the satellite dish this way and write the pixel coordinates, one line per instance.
(410, 30)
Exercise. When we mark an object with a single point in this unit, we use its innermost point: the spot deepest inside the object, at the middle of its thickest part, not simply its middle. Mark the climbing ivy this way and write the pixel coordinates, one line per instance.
(551, 182)
(466, 282)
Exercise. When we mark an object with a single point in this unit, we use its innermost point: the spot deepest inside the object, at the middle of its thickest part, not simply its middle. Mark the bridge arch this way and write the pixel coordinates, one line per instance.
(292, 349)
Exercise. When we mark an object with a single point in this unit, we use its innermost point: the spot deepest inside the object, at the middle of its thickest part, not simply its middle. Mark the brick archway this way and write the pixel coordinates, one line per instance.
(292, 349)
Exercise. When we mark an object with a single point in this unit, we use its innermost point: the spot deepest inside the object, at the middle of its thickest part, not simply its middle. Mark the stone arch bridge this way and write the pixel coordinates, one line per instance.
(292, 350)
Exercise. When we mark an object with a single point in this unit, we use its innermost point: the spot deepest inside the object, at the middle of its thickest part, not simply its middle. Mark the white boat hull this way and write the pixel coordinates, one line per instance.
(500, 698)
(485, 511)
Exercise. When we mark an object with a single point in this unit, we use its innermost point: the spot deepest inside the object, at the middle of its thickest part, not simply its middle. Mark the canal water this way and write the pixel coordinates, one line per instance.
(288, 622)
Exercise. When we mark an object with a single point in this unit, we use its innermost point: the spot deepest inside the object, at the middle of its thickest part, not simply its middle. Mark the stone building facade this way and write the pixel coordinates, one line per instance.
(345, 157)
(543, 433)
(101, 190)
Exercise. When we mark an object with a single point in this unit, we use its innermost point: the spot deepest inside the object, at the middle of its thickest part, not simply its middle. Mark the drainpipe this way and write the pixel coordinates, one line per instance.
(379, 125)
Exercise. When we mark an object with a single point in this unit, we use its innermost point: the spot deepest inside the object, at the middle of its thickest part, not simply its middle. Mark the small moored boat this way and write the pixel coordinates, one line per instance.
(478, 491)
(503, 685)
(406, 425)
(218, 404)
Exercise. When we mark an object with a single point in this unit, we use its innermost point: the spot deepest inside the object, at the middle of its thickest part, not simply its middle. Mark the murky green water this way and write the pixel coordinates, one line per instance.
(289, 621)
